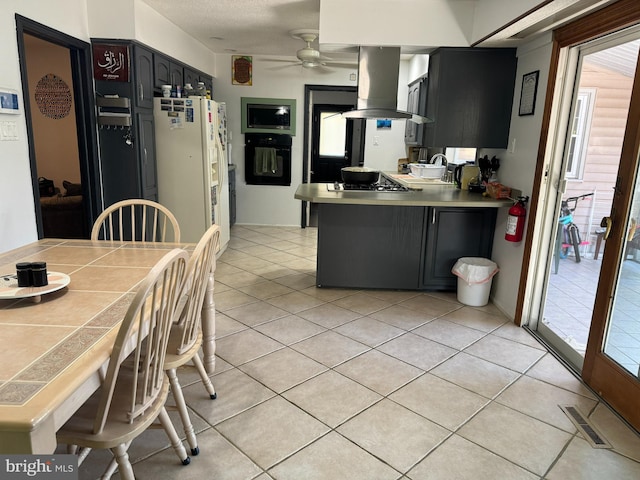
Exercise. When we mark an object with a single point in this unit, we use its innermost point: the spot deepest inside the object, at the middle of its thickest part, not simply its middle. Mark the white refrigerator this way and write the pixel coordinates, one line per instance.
(192, 166)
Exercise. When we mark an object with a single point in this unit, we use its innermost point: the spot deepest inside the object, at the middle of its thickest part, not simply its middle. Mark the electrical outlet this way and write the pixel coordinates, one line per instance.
(512, 146)
(376, 140)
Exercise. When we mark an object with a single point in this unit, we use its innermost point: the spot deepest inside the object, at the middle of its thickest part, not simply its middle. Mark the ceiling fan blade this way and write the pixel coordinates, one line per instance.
(281, 60)
(351, 66)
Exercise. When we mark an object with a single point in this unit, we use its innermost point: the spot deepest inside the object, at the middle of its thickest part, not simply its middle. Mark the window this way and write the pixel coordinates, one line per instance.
(460, 155)
(578, 136)
(333, 131)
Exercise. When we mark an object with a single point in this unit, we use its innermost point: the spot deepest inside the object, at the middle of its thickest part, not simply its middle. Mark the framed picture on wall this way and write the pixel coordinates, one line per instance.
(241, 70)
(528, 93)
(111, 62)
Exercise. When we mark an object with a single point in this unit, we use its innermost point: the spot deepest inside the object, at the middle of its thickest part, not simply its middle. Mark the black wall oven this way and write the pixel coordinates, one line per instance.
(267, 159)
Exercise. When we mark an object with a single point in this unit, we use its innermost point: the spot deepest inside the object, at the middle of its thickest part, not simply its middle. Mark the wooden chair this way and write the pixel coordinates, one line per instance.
(135, 387)
(136, 220)
(185, 340)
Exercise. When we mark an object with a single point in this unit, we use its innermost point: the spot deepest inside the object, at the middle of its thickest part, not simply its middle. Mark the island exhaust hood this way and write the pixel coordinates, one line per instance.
(378, 69)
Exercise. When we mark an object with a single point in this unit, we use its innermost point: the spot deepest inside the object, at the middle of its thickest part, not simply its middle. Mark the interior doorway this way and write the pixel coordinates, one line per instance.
(331, 142)
(57, 89)
(586, 289)
(327, 101)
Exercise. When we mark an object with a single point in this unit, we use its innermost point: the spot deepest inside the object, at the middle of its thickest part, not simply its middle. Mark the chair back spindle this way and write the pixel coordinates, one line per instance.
(136, 220)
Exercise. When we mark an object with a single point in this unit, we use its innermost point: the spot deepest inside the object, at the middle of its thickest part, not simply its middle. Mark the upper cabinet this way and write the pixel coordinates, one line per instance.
(416, 103)
(143, 74)
(191, 76)
(469, 97)
(166, 71)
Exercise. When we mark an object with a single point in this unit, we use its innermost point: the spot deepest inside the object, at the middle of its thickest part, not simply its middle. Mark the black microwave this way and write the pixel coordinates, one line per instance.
(268, 115)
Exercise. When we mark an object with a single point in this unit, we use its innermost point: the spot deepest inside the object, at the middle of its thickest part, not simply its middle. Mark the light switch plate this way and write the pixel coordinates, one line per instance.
(8, 131)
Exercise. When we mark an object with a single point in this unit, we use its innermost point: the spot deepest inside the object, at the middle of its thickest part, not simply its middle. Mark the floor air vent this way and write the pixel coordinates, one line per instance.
(583, 425)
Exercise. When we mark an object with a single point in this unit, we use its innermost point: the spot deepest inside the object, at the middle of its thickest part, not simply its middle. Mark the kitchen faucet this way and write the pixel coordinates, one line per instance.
(439, 159)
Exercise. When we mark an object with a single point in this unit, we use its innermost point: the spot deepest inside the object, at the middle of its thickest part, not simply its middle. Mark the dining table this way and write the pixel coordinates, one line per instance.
(55, 340)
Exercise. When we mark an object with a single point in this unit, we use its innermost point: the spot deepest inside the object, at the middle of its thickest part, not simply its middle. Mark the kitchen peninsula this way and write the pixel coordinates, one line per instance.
(405, 240)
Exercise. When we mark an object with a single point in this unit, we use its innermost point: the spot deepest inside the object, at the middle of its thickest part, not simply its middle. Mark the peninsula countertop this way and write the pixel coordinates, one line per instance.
(431, 195)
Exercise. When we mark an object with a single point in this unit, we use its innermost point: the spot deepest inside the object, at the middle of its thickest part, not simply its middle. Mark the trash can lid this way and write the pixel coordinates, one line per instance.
(475, 269)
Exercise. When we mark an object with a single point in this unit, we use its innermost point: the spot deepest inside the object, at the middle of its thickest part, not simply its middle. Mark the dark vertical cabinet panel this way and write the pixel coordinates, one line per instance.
(147, 156)
(143, 75)
(469, 97)
(119, 165)
(451, 233)
(411, 128)
(369, 246)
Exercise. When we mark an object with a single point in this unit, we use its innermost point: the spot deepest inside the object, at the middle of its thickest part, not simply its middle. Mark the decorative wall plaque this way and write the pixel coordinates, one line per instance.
(111, 62)
(53, 97)
(241, 70)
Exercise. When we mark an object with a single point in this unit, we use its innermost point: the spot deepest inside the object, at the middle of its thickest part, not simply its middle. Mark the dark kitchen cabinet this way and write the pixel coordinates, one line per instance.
(143, 75)
(147, 156)
(167, 71)
(416, 103)
(369, 246)
(469, 97)
(176, 71)
(399, 247)
(452, 233)
(191, 76)
(161, 71)
(128, 171)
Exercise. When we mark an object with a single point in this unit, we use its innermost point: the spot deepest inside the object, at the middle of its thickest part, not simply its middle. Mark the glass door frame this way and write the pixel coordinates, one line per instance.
(611, 381)
(600, 372)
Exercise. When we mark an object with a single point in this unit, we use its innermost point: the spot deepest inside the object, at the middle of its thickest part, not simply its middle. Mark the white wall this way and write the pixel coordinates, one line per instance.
(490, 15)
(275, 205)
(135, 20)
(17, 215)
(517, 169)
(420, 23)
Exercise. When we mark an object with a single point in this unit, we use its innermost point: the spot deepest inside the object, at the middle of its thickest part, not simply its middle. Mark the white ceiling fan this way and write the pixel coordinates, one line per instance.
(310, 57)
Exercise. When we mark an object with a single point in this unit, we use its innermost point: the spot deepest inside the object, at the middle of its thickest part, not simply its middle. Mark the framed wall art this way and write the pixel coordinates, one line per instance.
(241, 70)
(111, 62)
(528, 93)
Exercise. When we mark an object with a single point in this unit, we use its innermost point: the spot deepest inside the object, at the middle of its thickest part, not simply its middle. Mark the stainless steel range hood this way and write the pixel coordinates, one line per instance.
(378, 69)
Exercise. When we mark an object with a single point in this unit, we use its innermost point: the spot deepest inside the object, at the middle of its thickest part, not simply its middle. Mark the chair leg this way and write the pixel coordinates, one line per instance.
(173, 437)
(181, 405)
(113, 465)
(124, 465)
(206, 381)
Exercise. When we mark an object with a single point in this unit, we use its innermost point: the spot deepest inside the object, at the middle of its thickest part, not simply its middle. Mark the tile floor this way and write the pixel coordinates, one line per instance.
(346, 384)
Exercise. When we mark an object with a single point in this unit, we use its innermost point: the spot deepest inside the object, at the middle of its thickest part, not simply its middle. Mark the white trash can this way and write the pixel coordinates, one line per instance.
(475, 276)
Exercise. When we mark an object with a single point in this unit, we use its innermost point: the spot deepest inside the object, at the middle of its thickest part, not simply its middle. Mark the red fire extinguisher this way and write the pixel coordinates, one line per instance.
(515, 220)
